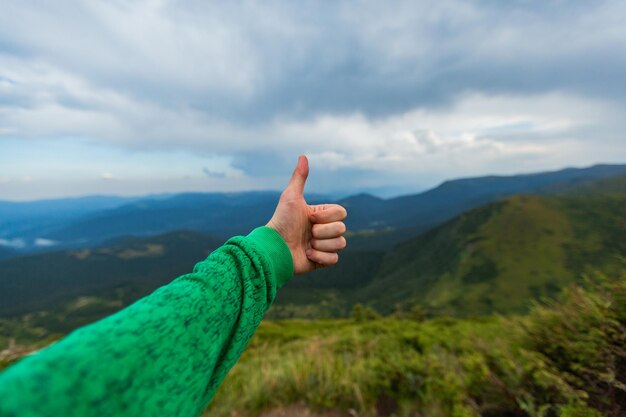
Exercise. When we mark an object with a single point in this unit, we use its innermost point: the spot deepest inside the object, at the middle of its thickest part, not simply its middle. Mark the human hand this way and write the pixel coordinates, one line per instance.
(314, 234)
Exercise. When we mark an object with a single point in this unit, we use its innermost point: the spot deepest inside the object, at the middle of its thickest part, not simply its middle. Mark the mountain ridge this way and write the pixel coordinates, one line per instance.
(450, 269)
(226, 214)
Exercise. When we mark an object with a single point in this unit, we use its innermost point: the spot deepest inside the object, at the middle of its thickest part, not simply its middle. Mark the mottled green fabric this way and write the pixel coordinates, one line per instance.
(166, 354)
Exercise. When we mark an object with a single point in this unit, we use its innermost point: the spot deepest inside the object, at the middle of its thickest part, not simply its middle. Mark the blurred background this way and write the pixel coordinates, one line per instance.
(478, 146)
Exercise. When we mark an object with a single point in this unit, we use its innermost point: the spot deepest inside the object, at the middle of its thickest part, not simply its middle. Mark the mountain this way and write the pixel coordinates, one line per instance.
(90, 221)
(59, 207)
(124, 271)
(384, 223)
(221, 214)
(6, 252)
(374, 223)
(500, 256)
(493, 259)
(453, 197)
(615, 184)
(22, 223)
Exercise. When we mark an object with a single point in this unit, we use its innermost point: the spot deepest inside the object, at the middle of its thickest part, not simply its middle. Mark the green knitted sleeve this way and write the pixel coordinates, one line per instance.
(166, 354)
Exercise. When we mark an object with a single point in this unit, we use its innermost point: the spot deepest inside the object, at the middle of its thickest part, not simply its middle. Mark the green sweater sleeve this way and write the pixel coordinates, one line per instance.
(166, 354)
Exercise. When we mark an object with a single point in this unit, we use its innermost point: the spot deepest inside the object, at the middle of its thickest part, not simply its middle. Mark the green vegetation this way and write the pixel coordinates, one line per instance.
(487, 315)
(615, 184)
(34, 327)
(128, 269)
(567, 358)
(494, 259)
(497, 258)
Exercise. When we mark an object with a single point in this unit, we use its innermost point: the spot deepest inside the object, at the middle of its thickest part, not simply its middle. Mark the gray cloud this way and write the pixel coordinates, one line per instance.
(209, 173)
(368, 87)
(258, 61)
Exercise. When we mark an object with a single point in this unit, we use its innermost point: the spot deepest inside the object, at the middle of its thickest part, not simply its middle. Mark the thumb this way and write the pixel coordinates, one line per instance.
(298, 179)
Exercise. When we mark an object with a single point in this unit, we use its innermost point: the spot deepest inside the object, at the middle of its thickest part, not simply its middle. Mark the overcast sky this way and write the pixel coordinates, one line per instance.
(136, 97)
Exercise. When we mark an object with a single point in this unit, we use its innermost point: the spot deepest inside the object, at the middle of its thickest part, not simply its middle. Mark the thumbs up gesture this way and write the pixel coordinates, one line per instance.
(314, 234)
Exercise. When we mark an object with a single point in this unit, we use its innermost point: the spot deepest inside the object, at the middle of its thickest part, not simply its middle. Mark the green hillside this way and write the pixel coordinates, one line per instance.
(587, 186)
(493, 259)
(499, 257)
(435, 206)
(566, 359)
(123, 271)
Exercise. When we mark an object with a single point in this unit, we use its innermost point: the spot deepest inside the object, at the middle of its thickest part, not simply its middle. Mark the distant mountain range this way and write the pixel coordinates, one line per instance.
(91, 221)
(22, 223)
(423, 211)
(496, 257)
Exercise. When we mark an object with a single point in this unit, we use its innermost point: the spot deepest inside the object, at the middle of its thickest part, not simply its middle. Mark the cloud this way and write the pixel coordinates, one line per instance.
(41, 242)
(227, 172)
(107, 176)
(259, 61)
(16, 243)
(213, 174)
(371, 90)
(477, 130)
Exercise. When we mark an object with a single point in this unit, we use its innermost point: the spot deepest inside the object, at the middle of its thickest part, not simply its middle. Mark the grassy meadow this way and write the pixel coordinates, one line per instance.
(566, 358)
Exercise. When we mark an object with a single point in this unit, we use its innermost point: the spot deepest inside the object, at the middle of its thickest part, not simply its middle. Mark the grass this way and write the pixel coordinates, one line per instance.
(339, 364)
(567, 358)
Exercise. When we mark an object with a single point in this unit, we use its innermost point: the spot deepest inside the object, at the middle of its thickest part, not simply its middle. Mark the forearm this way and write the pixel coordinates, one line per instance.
(164, 355)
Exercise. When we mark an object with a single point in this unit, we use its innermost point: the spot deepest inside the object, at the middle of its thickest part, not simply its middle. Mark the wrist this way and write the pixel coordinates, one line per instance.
(278, 253)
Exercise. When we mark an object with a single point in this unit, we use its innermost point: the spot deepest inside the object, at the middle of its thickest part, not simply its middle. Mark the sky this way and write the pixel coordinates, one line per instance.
(137, 97)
